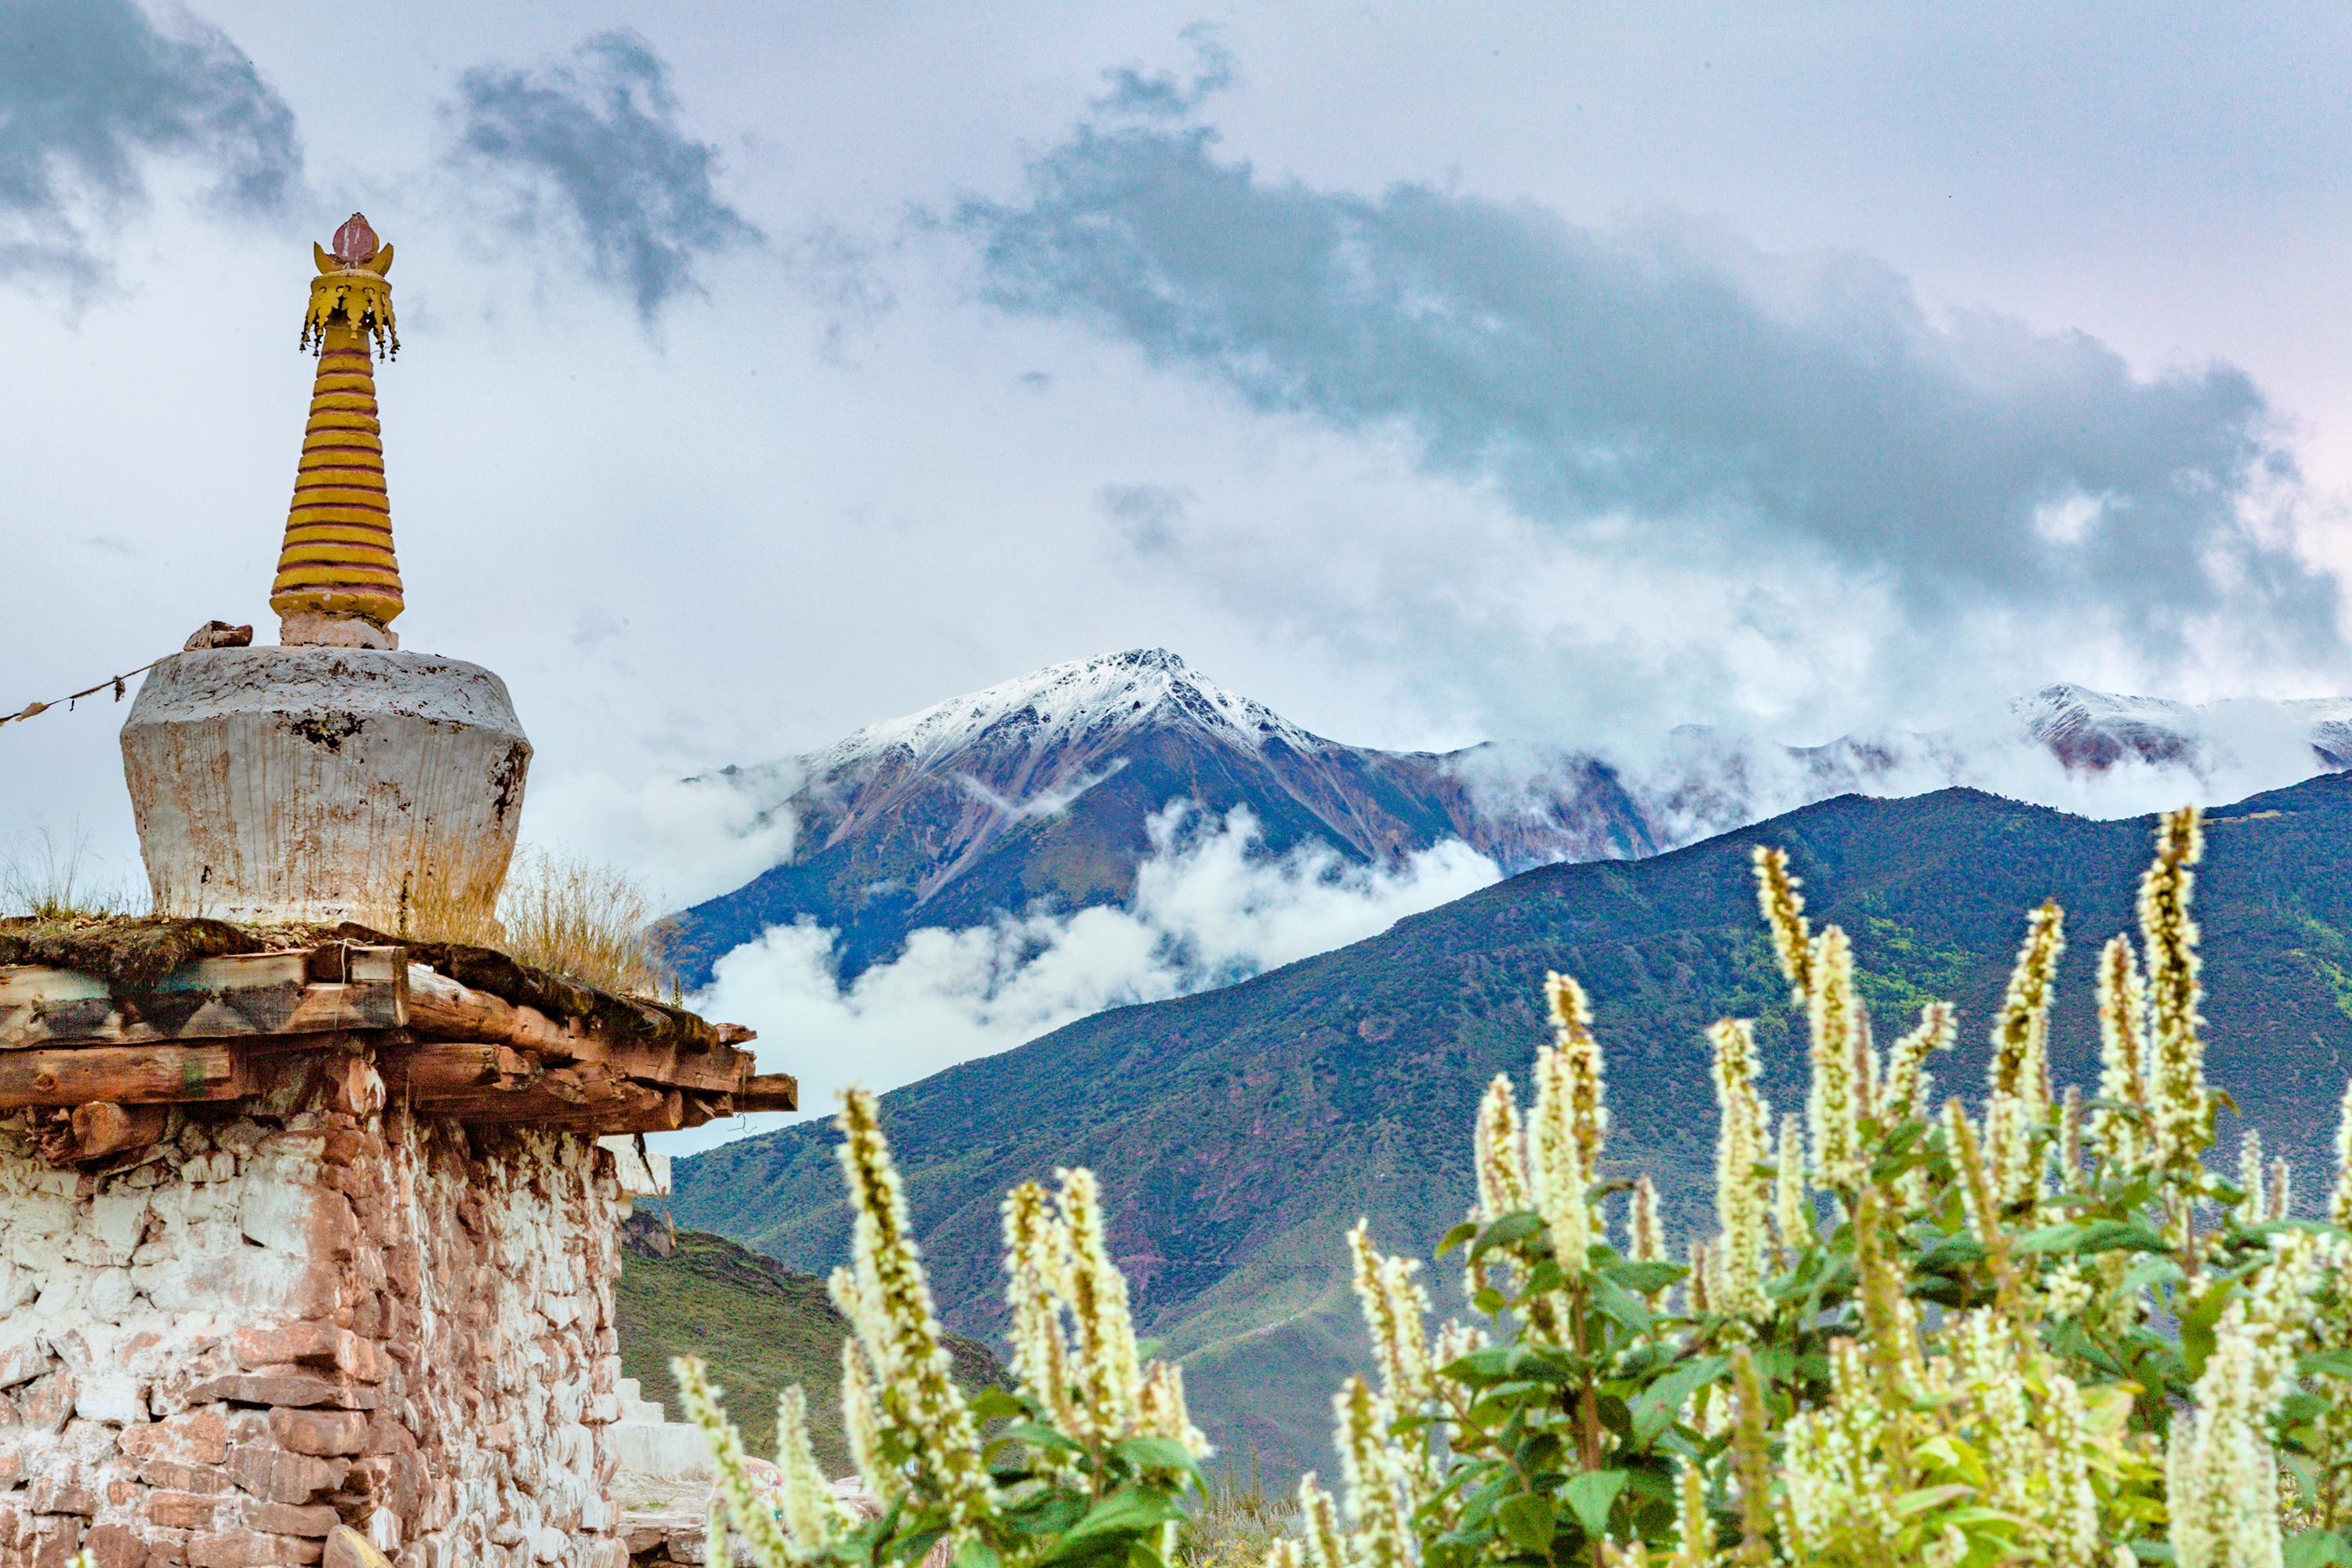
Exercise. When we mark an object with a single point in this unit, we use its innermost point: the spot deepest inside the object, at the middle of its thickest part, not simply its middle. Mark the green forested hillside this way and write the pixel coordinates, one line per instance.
(1238, 1132)
(760, 1326)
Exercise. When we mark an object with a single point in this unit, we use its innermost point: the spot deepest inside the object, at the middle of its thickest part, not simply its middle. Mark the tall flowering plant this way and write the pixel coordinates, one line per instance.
(2040, 1331)
(1083, 1464)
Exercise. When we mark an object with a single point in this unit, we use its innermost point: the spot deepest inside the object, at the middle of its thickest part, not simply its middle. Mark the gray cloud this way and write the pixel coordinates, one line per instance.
(1673, 390)
(1160, 94)
(1147, 517)
(90, 91)
(594, 142)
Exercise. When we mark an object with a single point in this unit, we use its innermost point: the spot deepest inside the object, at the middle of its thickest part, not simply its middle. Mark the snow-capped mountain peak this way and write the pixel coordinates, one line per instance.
(2091, 731)
(1040, 792)
(1084, 701)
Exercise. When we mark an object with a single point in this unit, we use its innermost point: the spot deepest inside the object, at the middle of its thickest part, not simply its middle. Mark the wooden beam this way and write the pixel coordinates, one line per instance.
(721, 1072)
(454, 1066)
(440, 1005)
(769, 1091)
(628, 1108)
(68, 1038)
(239, 996)
(123, 1075)
(702, 1107)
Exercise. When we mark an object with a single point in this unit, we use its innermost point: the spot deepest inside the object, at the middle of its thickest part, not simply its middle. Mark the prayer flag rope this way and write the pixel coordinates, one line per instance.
(32, 709)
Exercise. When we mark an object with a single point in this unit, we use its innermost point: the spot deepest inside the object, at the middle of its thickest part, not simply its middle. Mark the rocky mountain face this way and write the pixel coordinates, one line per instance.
(1038, 793)
(1240, 1131)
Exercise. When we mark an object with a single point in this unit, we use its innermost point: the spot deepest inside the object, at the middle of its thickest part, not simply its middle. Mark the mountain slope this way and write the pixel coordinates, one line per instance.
(760, 1326)
(1039, 793)
(1239, 1131)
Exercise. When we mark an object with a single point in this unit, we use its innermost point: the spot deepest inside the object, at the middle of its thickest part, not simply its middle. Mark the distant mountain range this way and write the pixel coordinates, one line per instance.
(1239, 1131)
(1037, 793)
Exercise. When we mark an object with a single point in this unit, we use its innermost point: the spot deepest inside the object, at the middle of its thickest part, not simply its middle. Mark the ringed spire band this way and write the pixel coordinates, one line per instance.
(337, 566)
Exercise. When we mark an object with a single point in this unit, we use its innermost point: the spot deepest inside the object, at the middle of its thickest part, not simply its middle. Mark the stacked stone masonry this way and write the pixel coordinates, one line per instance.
(286, 1317)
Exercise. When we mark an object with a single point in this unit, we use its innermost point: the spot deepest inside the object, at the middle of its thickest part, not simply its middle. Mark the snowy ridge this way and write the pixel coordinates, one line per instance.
(1039, 793)
(1086, 700)
(2090, 753)
(1024, 743)
(2097, 729)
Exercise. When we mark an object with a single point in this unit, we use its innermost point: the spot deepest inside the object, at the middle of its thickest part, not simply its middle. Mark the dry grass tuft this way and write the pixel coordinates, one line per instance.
(585, 921)
(1234, 1522)
(51, 881)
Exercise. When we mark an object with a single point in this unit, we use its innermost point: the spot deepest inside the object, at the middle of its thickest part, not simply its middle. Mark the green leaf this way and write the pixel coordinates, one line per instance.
(1912, 1503)
(1129, 1511)
(2048, 1238)
(1511, 1227)
(1537, 1451)
(1048, 1513)
(2071, 1339)
(1037, 1434)
(977, 1553)
(1645, 1278)
(2299, 1406)
(1457, 1236)
(1620, 1304)
(1525, 1521)
(1659, 1403)
(2197, 1321)
(1491, 1363)
(995, 1404)
(2325, 1364)
(2317, 1549)
(1588, 1497)
(1950, 1254)
(2150, 1271)
(2117, 1235)
(1155, 1454)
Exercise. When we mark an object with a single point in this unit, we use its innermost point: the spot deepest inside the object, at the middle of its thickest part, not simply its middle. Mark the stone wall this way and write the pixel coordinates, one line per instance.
(280, 1320)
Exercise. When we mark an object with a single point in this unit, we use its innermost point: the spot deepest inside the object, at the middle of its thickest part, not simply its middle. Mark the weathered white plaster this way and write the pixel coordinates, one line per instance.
(324, 784)
(269, 1327)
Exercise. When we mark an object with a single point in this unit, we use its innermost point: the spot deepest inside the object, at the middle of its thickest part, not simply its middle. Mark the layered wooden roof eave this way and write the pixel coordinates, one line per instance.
(203, 1032)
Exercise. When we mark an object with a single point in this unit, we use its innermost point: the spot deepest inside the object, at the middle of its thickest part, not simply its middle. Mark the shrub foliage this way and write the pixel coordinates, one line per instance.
(2041, 1330)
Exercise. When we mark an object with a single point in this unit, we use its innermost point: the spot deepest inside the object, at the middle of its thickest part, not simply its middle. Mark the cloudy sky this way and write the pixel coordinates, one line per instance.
(1429, 372)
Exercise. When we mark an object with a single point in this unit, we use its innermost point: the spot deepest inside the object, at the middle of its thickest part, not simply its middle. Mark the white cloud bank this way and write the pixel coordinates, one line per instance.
(685, 839)
(1211, 906)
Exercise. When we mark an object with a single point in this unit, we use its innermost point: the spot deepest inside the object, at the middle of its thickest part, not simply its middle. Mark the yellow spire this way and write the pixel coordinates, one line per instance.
(338, 580)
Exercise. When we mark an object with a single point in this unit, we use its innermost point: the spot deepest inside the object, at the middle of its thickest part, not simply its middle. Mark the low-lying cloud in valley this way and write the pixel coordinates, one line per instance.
(1211, 907)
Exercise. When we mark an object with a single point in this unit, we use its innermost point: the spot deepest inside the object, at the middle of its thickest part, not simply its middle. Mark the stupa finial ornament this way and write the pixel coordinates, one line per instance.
(337, 578)
(338, 777)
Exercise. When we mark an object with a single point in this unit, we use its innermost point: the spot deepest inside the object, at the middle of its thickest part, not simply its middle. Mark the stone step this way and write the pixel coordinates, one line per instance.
(636, 1407)
(666, 1450)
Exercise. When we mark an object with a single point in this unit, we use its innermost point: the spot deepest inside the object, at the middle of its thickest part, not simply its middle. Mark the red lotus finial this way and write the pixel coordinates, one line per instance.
(354, 242)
